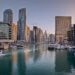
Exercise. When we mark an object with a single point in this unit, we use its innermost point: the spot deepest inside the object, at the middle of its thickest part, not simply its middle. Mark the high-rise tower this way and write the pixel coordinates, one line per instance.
(22, 24)
(8, 16)
(63, 24)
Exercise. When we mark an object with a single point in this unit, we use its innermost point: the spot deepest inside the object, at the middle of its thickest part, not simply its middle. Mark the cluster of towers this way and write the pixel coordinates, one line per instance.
(21, 25)
(23, 32)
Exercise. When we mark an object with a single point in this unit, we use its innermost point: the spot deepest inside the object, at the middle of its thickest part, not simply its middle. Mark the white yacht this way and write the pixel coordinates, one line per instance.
(58, 47)
(71, 48)
(51, 46)
(1, 53)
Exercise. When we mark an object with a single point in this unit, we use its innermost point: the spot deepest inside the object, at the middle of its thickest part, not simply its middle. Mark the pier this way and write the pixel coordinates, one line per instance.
(4, 44)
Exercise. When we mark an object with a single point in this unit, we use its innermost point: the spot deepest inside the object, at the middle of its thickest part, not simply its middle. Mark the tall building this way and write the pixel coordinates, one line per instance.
(14, 32)
(45, 37)
(40, 35)
(37, 34)
(22, 24)
(31, 36)
(27, 34)
(8, 16)
(51, 38)
(63, 24)
(71, 35)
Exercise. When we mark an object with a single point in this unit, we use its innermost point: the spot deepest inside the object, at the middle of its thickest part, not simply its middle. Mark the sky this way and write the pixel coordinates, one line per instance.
(40, 12)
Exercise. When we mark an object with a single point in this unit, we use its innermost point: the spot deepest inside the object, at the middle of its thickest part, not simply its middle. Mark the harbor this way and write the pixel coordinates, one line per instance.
(37, 37)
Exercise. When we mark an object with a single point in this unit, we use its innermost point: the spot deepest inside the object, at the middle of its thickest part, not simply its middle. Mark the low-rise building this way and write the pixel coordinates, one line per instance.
(5, 35)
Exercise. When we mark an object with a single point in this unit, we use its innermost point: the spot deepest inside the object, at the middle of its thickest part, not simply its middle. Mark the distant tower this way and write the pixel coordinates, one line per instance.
(22, 24)
(8, 16)
(63, 24)
(35, 33)
(45, 36)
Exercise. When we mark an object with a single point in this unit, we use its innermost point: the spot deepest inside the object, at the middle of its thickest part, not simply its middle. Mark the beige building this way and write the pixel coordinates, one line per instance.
(14, 32)
(63, 24)
(27, 33)
(40, 35)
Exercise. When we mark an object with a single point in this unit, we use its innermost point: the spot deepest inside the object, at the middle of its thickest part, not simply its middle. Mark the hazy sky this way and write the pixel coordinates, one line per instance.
(40, 12)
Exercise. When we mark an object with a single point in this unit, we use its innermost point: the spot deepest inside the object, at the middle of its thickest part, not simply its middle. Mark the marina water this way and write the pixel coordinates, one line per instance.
(37, 60)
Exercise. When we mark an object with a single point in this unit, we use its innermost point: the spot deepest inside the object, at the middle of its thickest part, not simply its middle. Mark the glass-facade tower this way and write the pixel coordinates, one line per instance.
(22, 24)
(8, 16)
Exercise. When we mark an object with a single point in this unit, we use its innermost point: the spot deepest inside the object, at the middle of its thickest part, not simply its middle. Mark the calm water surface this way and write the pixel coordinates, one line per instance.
(37, 60)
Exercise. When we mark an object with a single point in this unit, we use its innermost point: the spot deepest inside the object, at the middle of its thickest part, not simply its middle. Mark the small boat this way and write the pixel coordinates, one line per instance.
(71, 48)
(60, 47)
(19, 45)
(51, 47)
(1, 53)
(13, 46)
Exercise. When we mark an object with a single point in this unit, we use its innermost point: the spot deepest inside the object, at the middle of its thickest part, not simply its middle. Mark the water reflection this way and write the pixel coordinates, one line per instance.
(21, 62)
(5, 65)
(62, 64)
(37, 60)
(27, 55)
(14, 63)
(42, 62)
(71, 59)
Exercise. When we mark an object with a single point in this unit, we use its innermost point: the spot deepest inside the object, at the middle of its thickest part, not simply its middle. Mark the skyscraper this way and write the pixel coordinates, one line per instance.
(51, 38)
(22, 24)
(63, 24)
(37, 34)
(71, 35)
(45, 37)
(8, 16)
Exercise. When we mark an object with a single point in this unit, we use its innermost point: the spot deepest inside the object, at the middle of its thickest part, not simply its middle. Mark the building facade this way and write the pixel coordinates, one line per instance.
(8, 16)
(22, 24)
(40, 35)
(14, 32)
(71, 35)
(37, 34)
(31, 36)
(27, 34)
(45, 37)
(52, 38)
(5, 31)
(62, 25)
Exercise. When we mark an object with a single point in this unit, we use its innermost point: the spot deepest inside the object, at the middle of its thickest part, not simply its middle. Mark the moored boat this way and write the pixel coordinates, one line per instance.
(1, 53)
(51, 47)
